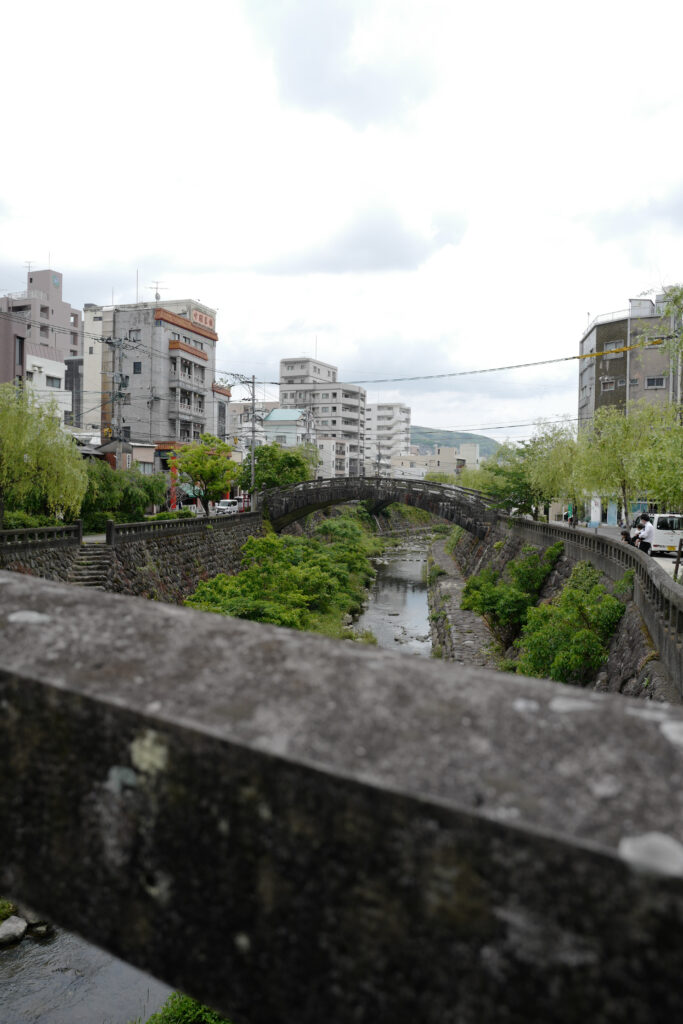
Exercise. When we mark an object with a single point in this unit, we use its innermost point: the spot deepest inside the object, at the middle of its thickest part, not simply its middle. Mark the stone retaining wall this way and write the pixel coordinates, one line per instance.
(42, 551)
(166, 565)
(634, 666)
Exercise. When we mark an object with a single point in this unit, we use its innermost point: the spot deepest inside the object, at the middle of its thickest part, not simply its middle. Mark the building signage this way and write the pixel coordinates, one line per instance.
(203, 319)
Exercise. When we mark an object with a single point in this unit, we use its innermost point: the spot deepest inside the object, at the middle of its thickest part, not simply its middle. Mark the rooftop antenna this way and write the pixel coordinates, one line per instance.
(28, 264)
(157, 286)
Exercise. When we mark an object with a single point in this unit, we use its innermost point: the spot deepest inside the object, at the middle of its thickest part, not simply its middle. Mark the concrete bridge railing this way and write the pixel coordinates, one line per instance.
(295, 829)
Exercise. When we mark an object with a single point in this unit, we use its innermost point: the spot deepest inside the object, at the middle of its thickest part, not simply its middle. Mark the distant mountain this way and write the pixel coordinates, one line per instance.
(426, 437)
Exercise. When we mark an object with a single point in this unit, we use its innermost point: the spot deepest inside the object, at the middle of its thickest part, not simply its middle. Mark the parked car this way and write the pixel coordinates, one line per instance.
(668, 528)
(227, 507)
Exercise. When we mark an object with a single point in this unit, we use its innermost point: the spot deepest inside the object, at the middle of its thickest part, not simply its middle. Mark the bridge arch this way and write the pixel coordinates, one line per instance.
(469, 509)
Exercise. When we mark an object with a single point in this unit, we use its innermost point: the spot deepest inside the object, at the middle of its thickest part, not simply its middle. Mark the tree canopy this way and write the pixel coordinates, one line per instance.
(630, 456)
(276, 467)
(40, 466)
(207, 465)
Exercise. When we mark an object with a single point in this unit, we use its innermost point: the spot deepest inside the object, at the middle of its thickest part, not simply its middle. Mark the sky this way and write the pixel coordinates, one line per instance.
(404, 188)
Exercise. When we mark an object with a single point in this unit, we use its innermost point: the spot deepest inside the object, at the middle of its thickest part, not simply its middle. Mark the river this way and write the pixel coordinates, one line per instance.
(64, 980)
(397, 611)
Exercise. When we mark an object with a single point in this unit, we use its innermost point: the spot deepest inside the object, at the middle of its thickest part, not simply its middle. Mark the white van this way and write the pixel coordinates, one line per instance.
(668, 532)
(227, 507)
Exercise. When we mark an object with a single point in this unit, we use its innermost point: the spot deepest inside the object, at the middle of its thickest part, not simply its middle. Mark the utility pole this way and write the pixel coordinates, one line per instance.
(253, 429)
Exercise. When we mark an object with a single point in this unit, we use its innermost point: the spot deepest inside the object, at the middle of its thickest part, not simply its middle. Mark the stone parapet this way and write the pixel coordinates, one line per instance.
(291, 827)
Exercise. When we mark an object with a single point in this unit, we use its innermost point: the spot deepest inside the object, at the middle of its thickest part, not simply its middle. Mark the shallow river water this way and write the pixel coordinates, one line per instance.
(397, 612)
(64, 980)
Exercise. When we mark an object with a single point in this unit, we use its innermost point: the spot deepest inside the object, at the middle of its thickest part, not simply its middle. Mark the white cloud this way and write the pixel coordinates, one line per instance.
(427, 187)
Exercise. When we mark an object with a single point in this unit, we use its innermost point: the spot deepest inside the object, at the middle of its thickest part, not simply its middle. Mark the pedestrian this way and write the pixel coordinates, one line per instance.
(645, 534)
(627, 538)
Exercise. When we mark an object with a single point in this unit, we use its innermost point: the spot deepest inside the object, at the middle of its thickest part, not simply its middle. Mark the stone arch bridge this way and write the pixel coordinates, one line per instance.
(467, 508)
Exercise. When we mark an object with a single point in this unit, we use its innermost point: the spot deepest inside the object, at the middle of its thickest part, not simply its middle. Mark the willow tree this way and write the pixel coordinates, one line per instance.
(39, 463)
(622, 456)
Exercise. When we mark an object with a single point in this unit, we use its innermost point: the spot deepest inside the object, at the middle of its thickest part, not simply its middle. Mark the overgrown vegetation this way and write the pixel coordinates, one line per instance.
(454, 539)
(6, 910)
(181, 1009)
(300, 582)
(41, 470)
(568, 639)
(505, 599)
(122, 495)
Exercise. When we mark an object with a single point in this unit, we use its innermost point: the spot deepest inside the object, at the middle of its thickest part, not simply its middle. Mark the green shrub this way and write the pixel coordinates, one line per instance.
(454, 539)
(568, 639)
(505, 603)
(17, 520)
(300, 582)
(181, 513)
(180, 1009)
(6, 909)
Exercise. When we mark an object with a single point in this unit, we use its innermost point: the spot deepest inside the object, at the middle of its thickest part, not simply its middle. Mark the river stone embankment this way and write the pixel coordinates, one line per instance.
(633, 666)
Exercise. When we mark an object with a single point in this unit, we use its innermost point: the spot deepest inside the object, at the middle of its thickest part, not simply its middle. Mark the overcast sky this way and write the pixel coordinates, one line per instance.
(404, 187)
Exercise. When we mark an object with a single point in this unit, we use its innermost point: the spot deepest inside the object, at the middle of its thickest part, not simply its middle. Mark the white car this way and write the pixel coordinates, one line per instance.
(227, 507)
(668, 527)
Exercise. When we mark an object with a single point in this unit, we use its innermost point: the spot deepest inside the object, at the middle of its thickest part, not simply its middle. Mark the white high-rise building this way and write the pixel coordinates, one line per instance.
(387, 436)
(338, 409)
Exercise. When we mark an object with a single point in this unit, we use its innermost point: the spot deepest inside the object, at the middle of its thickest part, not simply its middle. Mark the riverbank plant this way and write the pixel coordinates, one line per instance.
(181, 1009)
(455, 534)
(504, 599)
(306, 583)
(568, 639)
(6, 910)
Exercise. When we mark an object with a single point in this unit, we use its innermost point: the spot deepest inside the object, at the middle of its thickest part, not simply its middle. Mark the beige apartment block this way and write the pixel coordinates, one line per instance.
(338, 409)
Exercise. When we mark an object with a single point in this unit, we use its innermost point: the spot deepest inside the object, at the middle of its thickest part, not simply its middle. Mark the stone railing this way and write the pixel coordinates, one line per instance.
(288, 827)
(41, 536)
(157, 529)
(658, 599)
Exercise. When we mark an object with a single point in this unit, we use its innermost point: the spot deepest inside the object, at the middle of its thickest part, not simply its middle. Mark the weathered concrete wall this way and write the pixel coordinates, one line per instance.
(168, 565)
(334, 834)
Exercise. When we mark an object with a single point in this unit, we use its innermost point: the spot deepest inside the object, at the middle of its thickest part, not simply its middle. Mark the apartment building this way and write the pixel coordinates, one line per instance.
(334, 456)
(387, 434)
(289, 427)
(158, 369)
(38, 328)
(338, 409)
(610, 376)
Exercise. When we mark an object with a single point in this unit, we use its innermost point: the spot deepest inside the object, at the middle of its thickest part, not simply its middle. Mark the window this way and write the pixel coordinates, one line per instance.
(91, 350)
(633, 382)
(621, 383)
(137, 367)
(607, 384)
(134, 335)
(654, 382)
(281, 439)
(29, 375)
(53, 382)
(97, 318)
(609, 349)
(18, 350)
